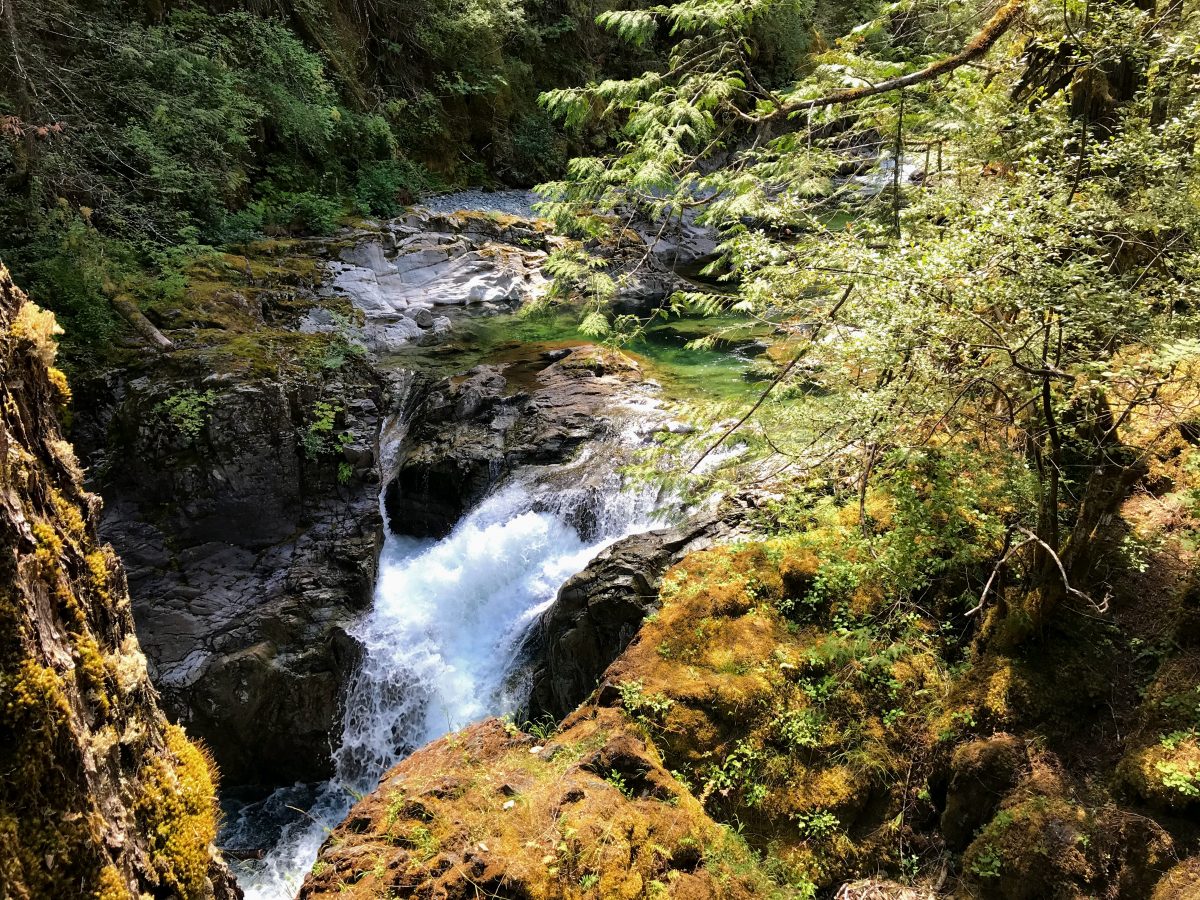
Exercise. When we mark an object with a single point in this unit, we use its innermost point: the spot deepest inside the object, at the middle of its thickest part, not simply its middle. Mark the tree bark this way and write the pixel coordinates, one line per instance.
(123, 304)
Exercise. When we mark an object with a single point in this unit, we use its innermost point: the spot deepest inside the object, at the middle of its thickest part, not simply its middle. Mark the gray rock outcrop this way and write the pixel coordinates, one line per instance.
(598, 611)
(414, 276)
(468, 434)
(246, 559)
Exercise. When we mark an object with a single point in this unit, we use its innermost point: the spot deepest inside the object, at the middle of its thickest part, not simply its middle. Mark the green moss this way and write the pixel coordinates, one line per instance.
(111, 885)
(1167, 773)
(177, 810)
(93, 673)
(1041, 840)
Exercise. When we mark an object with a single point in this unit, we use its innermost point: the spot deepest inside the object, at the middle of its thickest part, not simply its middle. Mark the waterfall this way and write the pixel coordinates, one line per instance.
(447, 621)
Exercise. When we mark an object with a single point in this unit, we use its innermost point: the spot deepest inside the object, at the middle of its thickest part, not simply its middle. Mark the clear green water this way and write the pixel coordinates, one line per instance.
(519, 341)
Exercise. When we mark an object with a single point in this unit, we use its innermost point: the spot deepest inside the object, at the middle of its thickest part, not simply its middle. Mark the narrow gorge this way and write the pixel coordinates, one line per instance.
(607, 450)
(484, 472)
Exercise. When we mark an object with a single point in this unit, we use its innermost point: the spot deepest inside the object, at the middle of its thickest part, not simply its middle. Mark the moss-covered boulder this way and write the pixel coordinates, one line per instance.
(982, 772)
(1048, 841)
(491, 811)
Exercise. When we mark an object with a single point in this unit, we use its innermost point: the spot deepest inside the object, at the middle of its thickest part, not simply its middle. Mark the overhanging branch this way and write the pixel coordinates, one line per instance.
(979, 45)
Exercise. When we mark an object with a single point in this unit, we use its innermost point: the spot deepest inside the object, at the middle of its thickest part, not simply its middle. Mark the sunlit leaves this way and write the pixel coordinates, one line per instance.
(633, 25)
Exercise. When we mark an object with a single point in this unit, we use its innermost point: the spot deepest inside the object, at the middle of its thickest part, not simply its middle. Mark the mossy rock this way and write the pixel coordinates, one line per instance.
(1181, 882)
(1165, 774)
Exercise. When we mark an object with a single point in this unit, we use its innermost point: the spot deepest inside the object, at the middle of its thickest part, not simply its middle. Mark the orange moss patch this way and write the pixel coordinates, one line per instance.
(486, 812)
(785, 727)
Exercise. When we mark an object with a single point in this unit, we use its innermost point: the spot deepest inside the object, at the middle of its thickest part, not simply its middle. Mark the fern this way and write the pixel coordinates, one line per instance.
(595, 324)
(633, 25)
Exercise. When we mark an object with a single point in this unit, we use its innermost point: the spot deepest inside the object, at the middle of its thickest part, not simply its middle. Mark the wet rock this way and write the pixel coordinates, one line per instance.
(422, 316)
(598, 611)
(468, 435)
(982, 773)
(246, 559)
(645, 289)
(678, 242)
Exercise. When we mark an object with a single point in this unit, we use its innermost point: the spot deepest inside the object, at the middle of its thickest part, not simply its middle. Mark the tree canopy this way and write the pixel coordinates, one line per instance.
(978, 224)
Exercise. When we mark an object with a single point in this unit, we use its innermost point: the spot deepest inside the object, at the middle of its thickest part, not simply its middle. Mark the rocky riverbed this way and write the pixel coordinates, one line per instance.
(243, 485)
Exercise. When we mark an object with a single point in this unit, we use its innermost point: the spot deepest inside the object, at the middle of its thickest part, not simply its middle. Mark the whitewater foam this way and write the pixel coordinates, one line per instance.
(447, 621)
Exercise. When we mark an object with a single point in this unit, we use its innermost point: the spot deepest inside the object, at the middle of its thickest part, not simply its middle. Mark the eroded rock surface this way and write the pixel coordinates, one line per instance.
(246, 560)
(411, 278)
(468, 434)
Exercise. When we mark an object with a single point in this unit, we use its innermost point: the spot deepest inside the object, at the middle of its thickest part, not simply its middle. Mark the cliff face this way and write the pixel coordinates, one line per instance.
(100, 797)
(240, 490)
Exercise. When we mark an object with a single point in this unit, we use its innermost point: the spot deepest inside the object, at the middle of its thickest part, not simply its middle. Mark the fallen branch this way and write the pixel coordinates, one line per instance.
(123, 304)
(987, 588)
(1031, 538)
(1062, 571)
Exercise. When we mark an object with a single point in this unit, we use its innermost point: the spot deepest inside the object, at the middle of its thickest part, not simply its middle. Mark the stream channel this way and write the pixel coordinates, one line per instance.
(449, 614)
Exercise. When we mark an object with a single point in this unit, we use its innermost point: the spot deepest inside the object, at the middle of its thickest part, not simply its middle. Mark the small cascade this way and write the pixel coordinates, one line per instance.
(448, 619)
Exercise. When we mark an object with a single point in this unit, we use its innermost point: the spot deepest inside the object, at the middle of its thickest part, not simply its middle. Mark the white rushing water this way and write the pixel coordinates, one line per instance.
(447, 622)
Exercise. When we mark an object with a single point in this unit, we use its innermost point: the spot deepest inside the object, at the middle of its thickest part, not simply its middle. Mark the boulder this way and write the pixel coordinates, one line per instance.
(1181, 882)
(982, 772)
(466, 435)
(598, 611)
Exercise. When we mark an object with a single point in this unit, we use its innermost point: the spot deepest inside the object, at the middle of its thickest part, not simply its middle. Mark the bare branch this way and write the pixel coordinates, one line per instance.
(778, 378)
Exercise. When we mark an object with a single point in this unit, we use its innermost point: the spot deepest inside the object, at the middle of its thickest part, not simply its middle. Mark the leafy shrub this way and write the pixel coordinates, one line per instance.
(320, 436)
(188, 411)
(383, 187)
(299, 212)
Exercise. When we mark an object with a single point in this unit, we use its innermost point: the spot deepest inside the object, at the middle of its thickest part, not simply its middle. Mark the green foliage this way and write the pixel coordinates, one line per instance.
(543, 729)
(648, 709)
(617, 780)
(188, 411)
(320, 436)
(738, 775)
(987, 863)
(1184, 778)
(126, 137)
(799, 730)
(382, 187)
(817, 824)
(1005, 326)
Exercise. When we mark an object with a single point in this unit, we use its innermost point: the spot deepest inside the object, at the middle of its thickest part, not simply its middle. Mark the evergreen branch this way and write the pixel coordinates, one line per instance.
(778, 378)
(979, 45)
